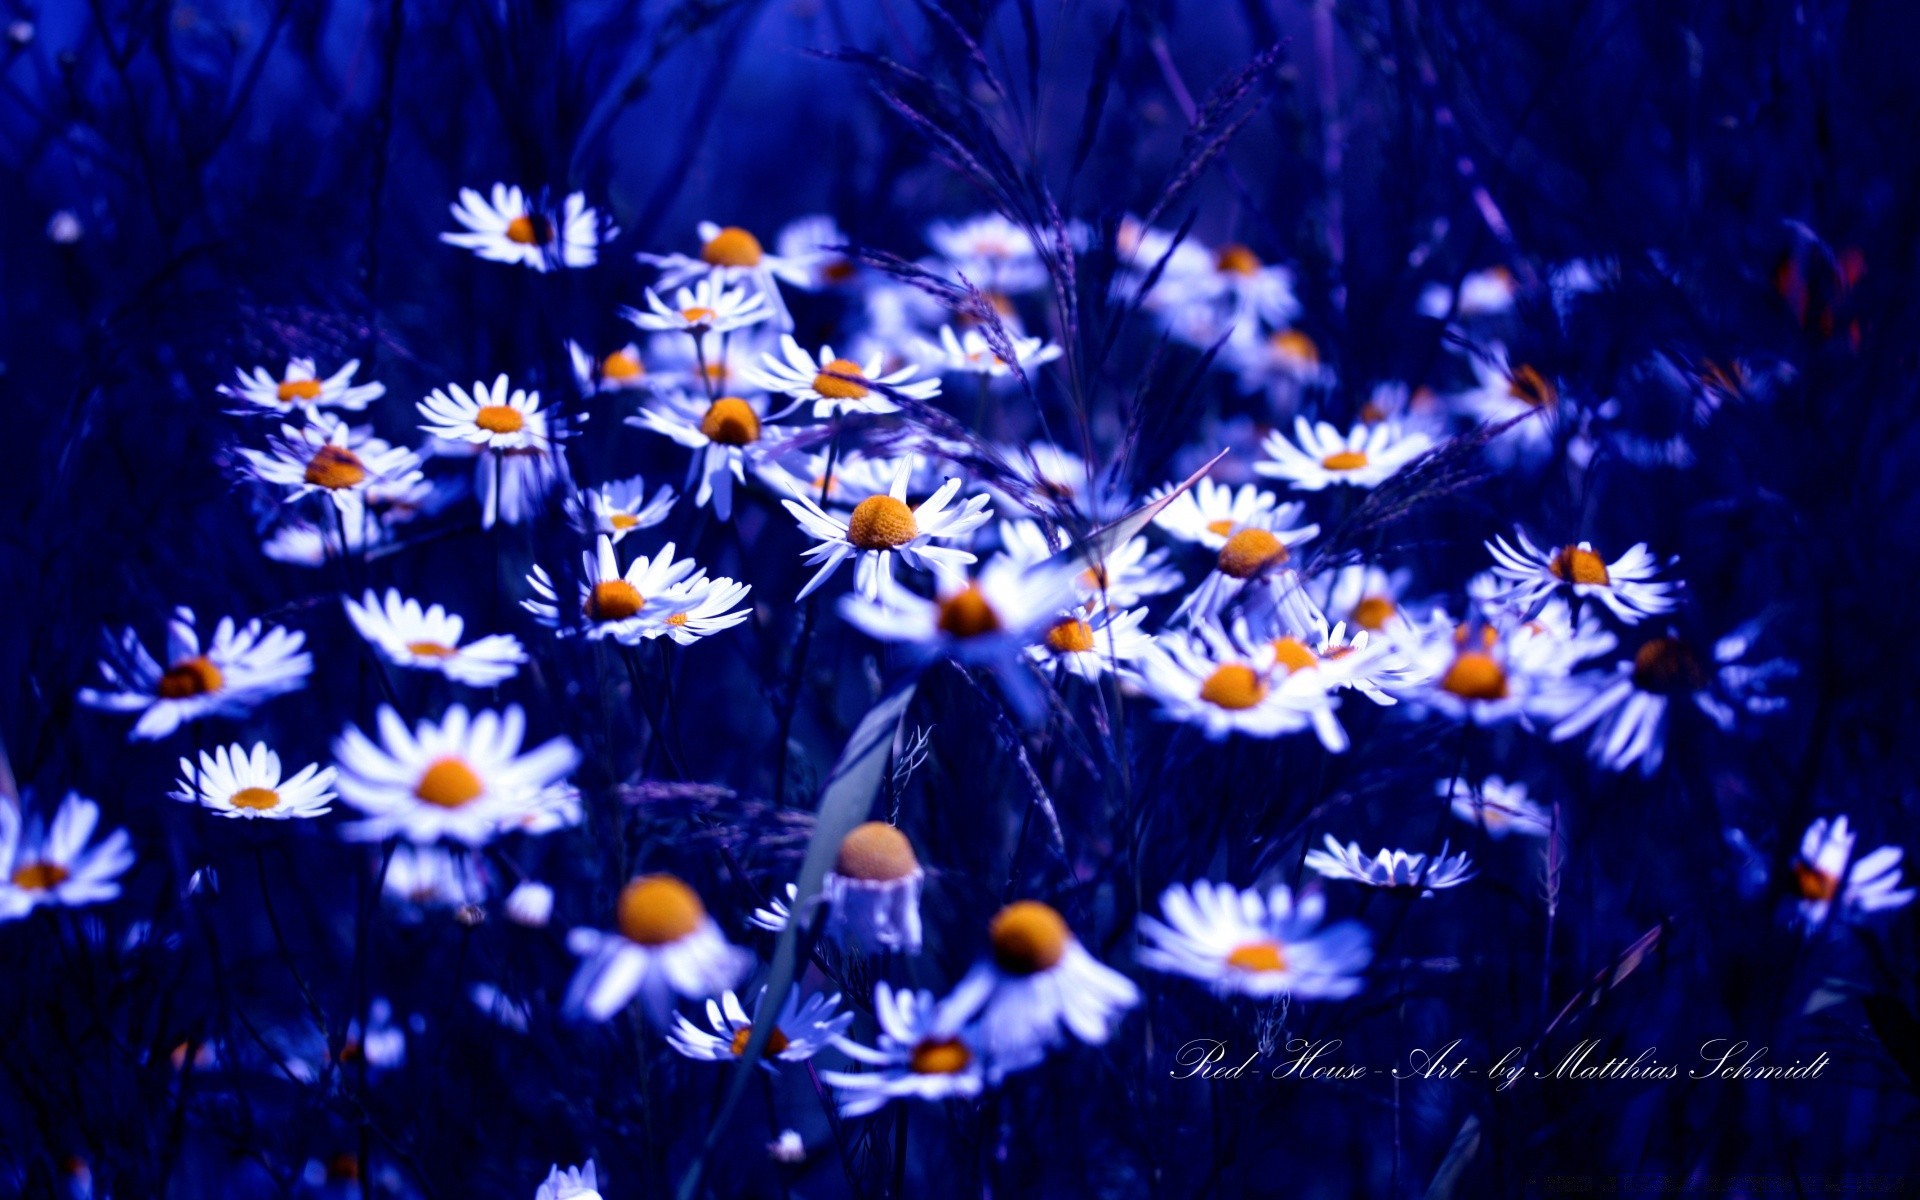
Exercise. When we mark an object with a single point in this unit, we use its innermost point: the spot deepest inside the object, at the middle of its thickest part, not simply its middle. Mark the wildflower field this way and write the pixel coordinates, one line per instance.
(882, 599)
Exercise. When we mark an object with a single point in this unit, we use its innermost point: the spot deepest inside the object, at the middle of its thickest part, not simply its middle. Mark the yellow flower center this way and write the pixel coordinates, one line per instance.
(677, 619)
(614, 600)
(449, 783)
(1235, 259)
(698, 315)
(1258, 956)
(1373, 613)
(657, 909)
(876, 851)
(966, 614)
(776, 1041)
(731, 421)
(1071, 636)
(294, 390)
(255, 797)
(530, 230)
(881, 523)
(335, 467)
(830, 384)
(1577, 564)
(499, 418)
(732, 247)
(1027, 937)
(1666, 667)
(1220, 528)
(940, 1056)
(1532, 388)
(1813, 883)
(1293, 654)
(40, 876)
(1475, 675)
(1294, 346)
(1233, 685)
(430, 650)
(622, 520)
(1345, 460)
(622, 364)
(1250, 552)
(190, 677)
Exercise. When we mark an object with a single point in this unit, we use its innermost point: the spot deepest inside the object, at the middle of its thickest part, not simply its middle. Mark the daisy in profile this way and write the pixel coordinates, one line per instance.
(1391, 869)
(1366, 456)
(616, 509)
(329, 458)
(301, 385)
(836, 385)
(1254, 944)
(1129, 573)
(1252, 555)
(574, 1183)
(240, 666)
(725, 435)
(54, 864)
(1626, 585)
(1037, 983)
(1208, 513)
(1091, 642)
(235, 782)
(873, 891)
(709, 306)
(428, 639)
(623, 370)
(625, 606)
(801, 1030)
(882, 526)
(1506, 392)
(923, 1053)
(514, 227)
(969, 353)
(731, 255)
(664, 946)
(1827, 874)
(700, 608)
(1362, 596)
(489, 417)
(421, 879)
(1204, 678)
(1496, 806)
(461, 778)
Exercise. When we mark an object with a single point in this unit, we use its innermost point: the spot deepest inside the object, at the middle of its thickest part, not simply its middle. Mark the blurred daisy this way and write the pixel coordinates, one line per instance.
(1089, 643)
(556, 806)
(1363, 596)
(54, 864)
(1251, 944)
(303, 544)
(460, 779)
(1209, 513)
(881, 526)
(512, 227)
(423, 878)
(574, 1183)
(1506, 393)
(709, 306)
(489, 417)
(429, 640)
(1496, 806)
(616, 509)
(236, 782)
(665, 945)
(1202, 678)
(240, 666)
(730, 255)
(625, 606)
(1826, 873)
(1054, 480)
(1036, 983)
(801, 1030)
(623, 370)
(837, 385)
(1481, 293)
(816, 241)
(922, 1053)
(1366, 456)
(991, 251)
(529, 904)
(1626, 585)
(1390, 868)
(724, 434)
(970, 353)
(1282, 362)
(1491, 673)
(301, 385)
(1129, 573)
(873, 891)
(329, 458)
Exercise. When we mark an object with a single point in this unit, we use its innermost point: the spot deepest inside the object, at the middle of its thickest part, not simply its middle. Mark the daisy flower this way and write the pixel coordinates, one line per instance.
(1282, 362)
(1339, 658)
(991, 251)
(1089, 643)
(514, 484)
(1362, 596)
(881, 526)
(700, 608)
(491, 418)
(1507, 392)
(730, 255)
(529, 904)
(574, 1183)
(429, 640)
(1492, 673)
(1249, 555)
(328, 457)
(836, 385)
(54, 864)
(815, 240)
(460, 779)
(1208, 513)
(1626, 585)
(235, 782)
(617, 509)
(1128, 574)
(969, 353)
(421, 878)
(922, 1053)
(301, 385)
(1390, 868)
(1496, 806)
(1481, 293)
(621, 371)
(1202, 678)
(1366, 456)
(626, 606)
(1231, 287)
(724, 434)
(1250, 944)
(873, 891)
(1047, 478)
(514, 228)
(1036, 983)
(1826, 873)
(801, 1030)
(240, 666)
(664, 945)
(709, 306)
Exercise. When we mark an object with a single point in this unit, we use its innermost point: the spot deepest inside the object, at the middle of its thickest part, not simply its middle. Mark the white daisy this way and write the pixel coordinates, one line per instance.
(1127, 575)
(700, 608)
(1253, 555)
(574, 1183)
(461, 778)
(1281, 363)
(1045, 478)
(489, 417)
(1036, 983)
(621, 371)
(515, 228)
(240, 666)
(1826, 873)
(54, 864)
(1209, 513)
(801, 1030)
(1481, 293)
(1366, 456)
(709, 306)
(1626, 585)
(1363, 596)
(1089, 643)
(328, 457)
(1492, 673)
(923, 1053)
(1390, 868)
(816, 241)
(834, 384)
(530, 903)
(873, 891)
(423, 878)
(665, 945)
(724, 434)
(301, 385)
(881, 526)
(992, 251)
(969, 353)
(1506, 392)
(1496, 806)
(626, 606)
(1203, 678)
(429, 640)
(235, 782)
(617, 509)
(730, 255)
(1251, 944)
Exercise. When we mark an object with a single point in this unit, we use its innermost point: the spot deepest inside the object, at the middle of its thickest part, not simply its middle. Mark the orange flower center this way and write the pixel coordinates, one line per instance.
(499, 418)
(1373, 613)
(1345, 460)
(294, 390)
(530, 230)
(1532, 388)
(776, 1041)
(876, 851)
(698, 315)
(732, 247)
(40, 876)
(1666, 667)
(255, 797)
(940, 1056)
(657, 909)
(966, 614)
(1813, 883)
(622, 520)
(614, 600)
(191, 677)
(731, 421)
(1072, 636)
(1250, 552)
(1235, 259)
(430, 650)
(1577, 564)
(335, 467)
(881, 523)
(449, 783)
(1293, 654)
(830, 384)
(1233, 686)
(1475, 675)
(622, 364)
(1293, 346)
(1258, 956)
(1027, 937)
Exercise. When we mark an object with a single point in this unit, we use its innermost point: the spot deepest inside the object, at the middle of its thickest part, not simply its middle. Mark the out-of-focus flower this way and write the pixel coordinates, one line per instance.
(1827, 874)
(665, 946)
(54, 864)
(1128, 574)
(574, 1183)
(1089, 643)
(1496, 806)
(1481, 293)
(873, 891)
(881, 526)
(1488, 673)
(1390, 869)
(788, 1149)
(1626, 585)
(801, 1030)
(1049, 479)
(1363, 596)
(709, 306)
(837, 385)
(420, 878)
(301, 386)
(616, 509)
(1505, 393)
(725, 435)
(1365, 457)
(240, 666)
(407, 635)
(329, 458)
(236, 782)
(924, 1052)
(620, 371)
(530, 903)
(1253, 944)
(513, 227)
(63, 227)
(1209, 513)
(1202, 677)
(969, 353)
(991, 251)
